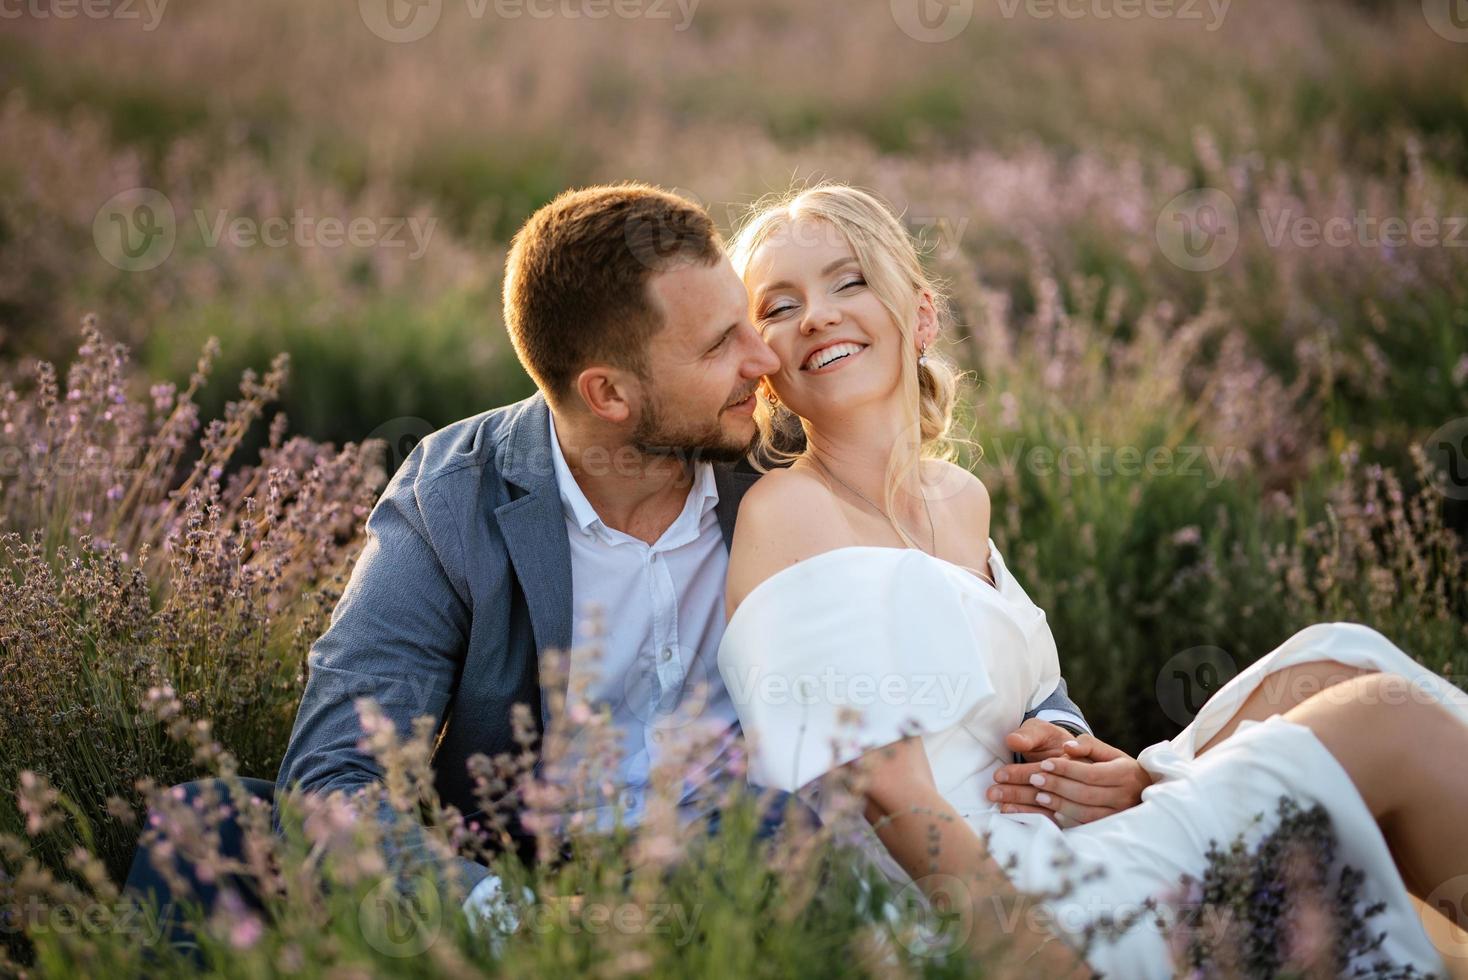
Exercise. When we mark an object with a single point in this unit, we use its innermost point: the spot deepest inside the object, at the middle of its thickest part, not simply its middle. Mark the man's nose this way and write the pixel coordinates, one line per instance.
(766, 360)
(761, 359)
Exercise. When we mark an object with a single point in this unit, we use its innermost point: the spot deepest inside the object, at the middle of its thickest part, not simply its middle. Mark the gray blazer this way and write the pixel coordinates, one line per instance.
(465, 575)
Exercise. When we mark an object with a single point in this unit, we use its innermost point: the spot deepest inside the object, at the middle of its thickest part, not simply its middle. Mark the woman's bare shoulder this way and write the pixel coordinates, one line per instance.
(963, 493)
(957, 484)
(787, 516)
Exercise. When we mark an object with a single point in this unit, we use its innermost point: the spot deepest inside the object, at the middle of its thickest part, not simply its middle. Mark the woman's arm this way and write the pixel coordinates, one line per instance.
(950, 863)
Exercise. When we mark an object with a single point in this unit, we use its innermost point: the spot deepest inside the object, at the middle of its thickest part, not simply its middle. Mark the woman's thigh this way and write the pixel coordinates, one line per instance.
(1283, 690)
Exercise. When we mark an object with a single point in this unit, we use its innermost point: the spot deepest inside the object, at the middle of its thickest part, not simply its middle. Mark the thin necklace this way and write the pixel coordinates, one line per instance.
(932, 532)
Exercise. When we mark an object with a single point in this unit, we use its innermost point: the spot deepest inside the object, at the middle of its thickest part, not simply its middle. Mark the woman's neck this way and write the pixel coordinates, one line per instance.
(860, 449)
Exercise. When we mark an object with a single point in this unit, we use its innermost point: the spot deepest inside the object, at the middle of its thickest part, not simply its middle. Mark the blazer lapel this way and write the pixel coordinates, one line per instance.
(534, 526)
(732, 484)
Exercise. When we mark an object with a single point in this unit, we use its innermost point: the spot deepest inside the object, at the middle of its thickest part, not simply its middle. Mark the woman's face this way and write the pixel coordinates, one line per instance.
(838, 346)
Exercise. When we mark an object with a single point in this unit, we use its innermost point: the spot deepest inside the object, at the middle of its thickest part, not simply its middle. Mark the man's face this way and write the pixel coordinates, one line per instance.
(704, 365)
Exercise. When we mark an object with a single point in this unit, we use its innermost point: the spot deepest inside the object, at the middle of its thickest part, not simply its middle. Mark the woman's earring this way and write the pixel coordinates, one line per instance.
(923, 356)
(772, 398)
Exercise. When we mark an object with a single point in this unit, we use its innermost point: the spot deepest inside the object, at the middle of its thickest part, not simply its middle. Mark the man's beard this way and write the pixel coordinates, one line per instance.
(655, 436)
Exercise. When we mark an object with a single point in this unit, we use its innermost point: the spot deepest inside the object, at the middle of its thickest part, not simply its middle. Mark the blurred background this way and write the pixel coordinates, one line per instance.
(1224, 240)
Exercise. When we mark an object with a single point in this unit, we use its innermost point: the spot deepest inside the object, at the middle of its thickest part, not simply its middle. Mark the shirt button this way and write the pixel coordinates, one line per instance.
(628, 799)
(667, 653)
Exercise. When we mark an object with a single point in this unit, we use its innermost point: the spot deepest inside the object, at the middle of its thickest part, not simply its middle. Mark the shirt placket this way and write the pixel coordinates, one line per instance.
(668, 660)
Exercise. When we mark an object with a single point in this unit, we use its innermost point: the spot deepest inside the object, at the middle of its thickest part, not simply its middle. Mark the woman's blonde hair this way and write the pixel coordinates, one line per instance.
(891, 263)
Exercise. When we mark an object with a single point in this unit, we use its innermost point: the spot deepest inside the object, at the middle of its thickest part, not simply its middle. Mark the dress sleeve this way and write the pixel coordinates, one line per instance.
(847, 652)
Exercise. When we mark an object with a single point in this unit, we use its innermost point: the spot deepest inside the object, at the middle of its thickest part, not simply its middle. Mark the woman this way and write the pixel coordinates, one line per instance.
(863, 577)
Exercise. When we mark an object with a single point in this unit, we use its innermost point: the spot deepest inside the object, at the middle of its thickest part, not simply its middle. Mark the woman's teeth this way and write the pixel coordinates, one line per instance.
(827, 355)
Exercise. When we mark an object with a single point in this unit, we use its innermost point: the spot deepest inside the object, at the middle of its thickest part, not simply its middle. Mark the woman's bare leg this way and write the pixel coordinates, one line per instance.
(1403, 751)
(1282, 690)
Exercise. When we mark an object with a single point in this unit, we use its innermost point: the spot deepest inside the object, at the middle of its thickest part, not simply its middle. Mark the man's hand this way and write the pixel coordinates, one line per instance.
(1035, 740)
(1085, 781)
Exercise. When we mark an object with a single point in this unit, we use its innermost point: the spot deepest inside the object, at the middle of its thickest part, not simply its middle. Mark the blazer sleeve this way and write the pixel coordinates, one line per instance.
(398, 636)
(1058, 707)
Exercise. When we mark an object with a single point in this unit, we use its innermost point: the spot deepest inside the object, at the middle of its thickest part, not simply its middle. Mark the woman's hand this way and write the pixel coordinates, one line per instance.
(1087, 781)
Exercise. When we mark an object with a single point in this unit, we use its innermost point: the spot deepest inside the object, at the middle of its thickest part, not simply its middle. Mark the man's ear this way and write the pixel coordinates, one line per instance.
(608, 393)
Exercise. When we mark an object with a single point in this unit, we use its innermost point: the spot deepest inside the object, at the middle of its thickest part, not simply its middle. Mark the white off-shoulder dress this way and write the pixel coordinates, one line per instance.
(858, 647)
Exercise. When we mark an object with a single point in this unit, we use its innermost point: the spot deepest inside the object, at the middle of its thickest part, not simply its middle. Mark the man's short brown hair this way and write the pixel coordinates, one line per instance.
(576, 278)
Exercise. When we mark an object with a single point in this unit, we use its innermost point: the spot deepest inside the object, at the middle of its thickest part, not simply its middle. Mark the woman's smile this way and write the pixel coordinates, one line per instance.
(832, 357)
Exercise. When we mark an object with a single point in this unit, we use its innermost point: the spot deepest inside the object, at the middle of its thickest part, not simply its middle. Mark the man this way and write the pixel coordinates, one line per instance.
(615, 486)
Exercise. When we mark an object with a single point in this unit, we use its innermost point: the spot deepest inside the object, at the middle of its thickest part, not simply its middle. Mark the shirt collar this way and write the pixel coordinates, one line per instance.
(701, 497)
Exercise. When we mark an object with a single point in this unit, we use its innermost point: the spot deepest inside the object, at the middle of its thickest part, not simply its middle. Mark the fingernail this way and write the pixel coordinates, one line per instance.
(1072, 744)
(1043, 799)
(1048, 766)
(1037, 780)
(995, 795)
(1001, 776)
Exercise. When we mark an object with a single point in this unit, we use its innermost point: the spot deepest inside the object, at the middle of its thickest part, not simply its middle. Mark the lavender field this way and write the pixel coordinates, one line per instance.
(1209, 273)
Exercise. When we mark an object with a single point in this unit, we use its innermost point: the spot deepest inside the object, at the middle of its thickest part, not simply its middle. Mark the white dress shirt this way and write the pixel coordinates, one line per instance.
(661, 611)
